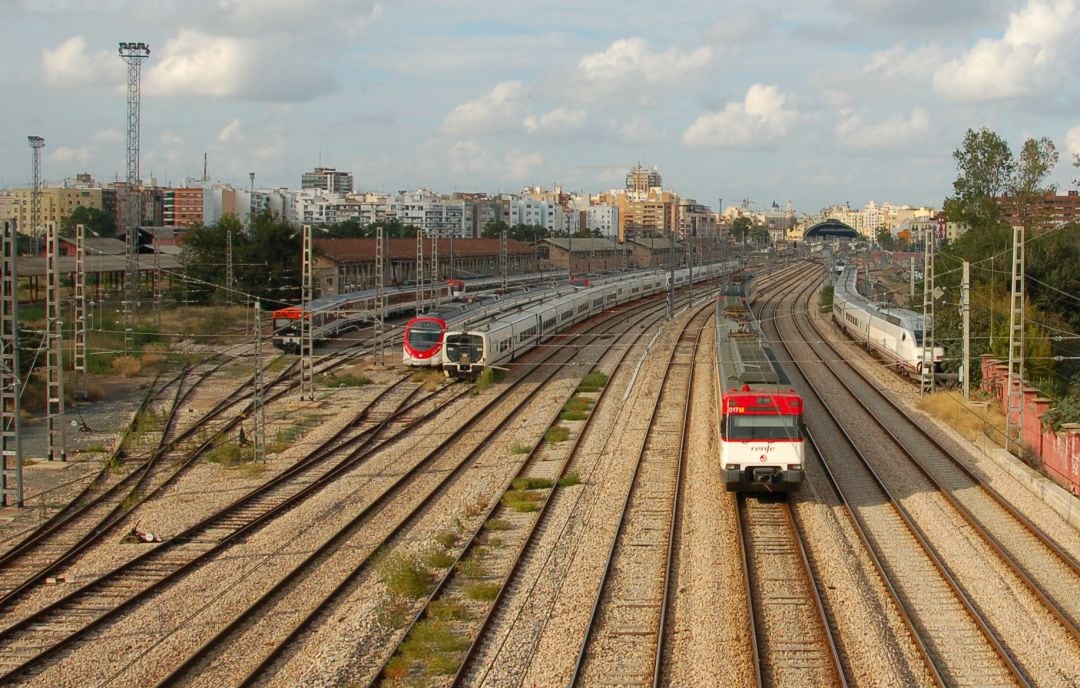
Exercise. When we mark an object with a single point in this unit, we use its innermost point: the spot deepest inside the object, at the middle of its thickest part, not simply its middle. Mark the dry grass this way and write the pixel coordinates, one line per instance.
(972, 420)
(429, 378)
(126, 366)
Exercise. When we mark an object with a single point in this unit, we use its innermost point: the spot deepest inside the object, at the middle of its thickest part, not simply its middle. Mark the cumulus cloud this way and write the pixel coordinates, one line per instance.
(757, 121)
(230, 131)
(640, 130)
(560, 121)
(899, 63)
(630, 67)
(71, 64)
(259, 17)
(896, 131)
(83, 155)
(1072, 141)
(469, 156)
(203, 65)
(1039, 48)
(497, 109)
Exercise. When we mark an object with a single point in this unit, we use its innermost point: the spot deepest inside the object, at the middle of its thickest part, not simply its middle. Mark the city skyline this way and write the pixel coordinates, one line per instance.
(830, 102)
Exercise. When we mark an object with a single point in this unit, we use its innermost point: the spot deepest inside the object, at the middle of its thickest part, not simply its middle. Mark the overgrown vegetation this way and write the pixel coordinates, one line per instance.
(994, 190)
(571, 478)
(576, 408)
(593, 382)
(827, 297)
(556, 433)
(519, 448)
(404, 575)
(486, 379)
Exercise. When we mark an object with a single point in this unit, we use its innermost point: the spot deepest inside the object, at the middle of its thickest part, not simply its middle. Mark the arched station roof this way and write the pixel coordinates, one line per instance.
(831, 228)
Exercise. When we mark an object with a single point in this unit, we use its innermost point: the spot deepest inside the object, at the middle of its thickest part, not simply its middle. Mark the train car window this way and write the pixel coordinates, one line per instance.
(747, 427)
(918, 337)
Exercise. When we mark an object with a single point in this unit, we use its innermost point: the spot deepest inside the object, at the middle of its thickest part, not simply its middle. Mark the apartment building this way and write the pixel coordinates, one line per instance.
(327, 179)
(56, 204)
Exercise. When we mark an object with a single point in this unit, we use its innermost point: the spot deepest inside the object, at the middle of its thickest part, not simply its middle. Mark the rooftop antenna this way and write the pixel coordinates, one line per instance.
(205, 168)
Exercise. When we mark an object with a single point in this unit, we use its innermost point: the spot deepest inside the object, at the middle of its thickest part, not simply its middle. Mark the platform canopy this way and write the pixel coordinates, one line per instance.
(831, 228)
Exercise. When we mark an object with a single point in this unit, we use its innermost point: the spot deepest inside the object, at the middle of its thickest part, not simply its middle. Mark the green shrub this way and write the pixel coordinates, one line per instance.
(481, 590)
(519, 448)
(448, 609)
(571, 478)
(593, 382)
(531, 483)
(556, 433)
(404, 575)
(573, 415)
(225, 455)
(446, 540)
(497, 524)
(437, 559)
(484, 380)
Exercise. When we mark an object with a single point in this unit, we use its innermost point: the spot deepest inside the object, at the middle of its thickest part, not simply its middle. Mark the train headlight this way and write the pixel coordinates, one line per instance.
(794, 466)
(731, 466)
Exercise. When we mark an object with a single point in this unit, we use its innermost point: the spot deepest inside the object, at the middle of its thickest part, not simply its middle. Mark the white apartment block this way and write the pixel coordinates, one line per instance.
(603, 218)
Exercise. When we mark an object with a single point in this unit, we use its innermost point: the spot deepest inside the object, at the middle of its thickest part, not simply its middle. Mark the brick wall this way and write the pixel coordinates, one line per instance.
(1058, 452)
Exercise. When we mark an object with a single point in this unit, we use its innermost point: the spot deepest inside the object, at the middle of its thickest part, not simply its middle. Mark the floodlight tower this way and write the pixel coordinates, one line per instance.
(133, 54)
(36, 144)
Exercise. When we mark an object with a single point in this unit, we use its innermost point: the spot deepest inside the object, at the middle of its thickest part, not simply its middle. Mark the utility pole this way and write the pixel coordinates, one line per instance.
(911, 274)
(965, 312)
(502, 256)
(54, 387)
(690, 283)
(79, 318)
(671, 282)
(11, 475)
(380, 298)
(419, 272)
(133, 54)
(258, 410)
(436, 283)
(307, 364)
(229, 281)
(36, 144)
(1014, 415)
(927, 370)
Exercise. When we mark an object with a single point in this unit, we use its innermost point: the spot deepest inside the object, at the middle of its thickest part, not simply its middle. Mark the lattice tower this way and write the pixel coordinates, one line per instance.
(11, 482)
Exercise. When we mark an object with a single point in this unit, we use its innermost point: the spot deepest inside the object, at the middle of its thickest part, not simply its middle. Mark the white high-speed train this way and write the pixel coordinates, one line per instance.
(895, 334)
(467, 352)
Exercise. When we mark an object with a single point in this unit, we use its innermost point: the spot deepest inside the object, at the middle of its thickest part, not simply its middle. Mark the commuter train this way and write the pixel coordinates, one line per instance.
(332, 315)
(895, 334)
(761, 429)
(467, 351)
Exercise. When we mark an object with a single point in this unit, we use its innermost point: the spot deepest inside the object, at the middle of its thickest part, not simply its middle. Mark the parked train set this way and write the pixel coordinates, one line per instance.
(332, 315)
(895, 334)
(761, 424)
(469, 350)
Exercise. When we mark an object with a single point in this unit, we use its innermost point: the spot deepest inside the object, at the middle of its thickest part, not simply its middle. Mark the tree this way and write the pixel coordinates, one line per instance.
(885, 239)
(266, 260)
(985, 167)
(95, 221)
(740, 228)
(494, 229)
(1027, 187)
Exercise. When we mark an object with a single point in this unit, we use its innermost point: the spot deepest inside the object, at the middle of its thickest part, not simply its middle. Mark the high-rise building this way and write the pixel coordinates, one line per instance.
(639, 180)
(327, 179)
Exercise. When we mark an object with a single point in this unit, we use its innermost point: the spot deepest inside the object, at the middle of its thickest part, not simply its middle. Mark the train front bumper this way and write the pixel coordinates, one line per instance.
(763, 479)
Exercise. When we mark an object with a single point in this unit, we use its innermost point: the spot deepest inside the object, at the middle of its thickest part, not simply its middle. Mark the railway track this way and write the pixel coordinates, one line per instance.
(507, 540)
(399, 504)
(793, 643)
(625, 637)
(66, 621)
(954, 637)
(1020, 557)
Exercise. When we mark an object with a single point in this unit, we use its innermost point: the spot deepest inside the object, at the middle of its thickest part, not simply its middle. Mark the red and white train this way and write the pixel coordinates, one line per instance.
(761, 428)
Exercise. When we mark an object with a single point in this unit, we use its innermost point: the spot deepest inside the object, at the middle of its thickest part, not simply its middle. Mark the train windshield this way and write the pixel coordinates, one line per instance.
(918, 337)
(762, 427)
(424, 334)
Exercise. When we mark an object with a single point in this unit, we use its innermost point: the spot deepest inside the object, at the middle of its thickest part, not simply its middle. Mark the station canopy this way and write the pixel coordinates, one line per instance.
(831, 228)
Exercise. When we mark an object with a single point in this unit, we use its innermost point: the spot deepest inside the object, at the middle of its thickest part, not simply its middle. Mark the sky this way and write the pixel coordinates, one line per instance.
(817, 102)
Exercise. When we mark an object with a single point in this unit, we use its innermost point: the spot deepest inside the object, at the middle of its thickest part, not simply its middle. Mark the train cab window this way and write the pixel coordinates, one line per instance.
(918, 337)
(749, 427)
